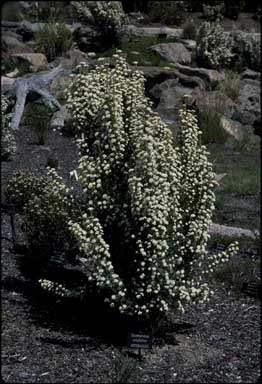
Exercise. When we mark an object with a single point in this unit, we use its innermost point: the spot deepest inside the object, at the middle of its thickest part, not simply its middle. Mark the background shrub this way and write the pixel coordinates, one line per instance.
(169, 12)
(53, 39)
(210, 124)
(214, 11)
(247, 50)
(214, 47)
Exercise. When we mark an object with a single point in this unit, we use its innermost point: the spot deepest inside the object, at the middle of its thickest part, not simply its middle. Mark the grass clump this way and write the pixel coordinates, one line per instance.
(38, 117)
(242, 181)
(210, 125)
(231, 85)
(53, 39)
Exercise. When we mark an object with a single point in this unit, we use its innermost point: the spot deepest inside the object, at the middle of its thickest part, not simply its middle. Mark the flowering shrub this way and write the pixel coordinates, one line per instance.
(148, 202)
(247, 50)
(8, 144)
(22, 187)
(109, 16)
(214, 47)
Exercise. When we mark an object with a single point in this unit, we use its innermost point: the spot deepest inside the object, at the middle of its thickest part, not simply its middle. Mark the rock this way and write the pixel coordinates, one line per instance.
(156, 75)
(234, 128)
(75, 57)
(211, 76)
(27, 29)
(13, 44)
(87, 38)
(249, 74)
(59, 85)
(153, 31)
(60, 118)
(37, 60)
(171, 97)
(15, 73)
(6, 83)
(189, 44)
(248, 103)
(215, 100)
(174, 52)
(223, 230)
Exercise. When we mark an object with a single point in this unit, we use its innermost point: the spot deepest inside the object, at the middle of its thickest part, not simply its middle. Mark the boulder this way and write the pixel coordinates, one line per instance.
(87, 38)
(249, 74)
(234, 128)
(174, 52)
(248, 103)
(13, 44)
(6, 83)
(170, 96)
(211, 76)
(189, 44)
(38, 61)
(214, 99)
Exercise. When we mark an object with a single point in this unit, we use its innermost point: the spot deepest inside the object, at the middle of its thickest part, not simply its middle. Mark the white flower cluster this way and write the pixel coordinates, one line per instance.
(8, 144)
(58, 289)
(149, 202)
(107, 14)
(214, 47)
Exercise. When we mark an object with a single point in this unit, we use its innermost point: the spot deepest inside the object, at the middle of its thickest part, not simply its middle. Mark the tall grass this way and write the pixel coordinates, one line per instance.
(231, 85)
(210, 125)
(53, 39)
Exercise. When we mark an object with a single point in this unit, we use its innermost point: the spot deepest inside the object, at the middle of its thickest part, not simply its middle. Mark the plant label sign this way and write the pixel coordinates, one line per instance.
(139, 340)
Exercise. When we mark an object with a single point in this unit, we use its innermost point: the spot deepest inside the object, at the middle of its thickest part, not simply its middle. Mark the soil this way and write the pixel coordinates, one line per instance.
(52, 341)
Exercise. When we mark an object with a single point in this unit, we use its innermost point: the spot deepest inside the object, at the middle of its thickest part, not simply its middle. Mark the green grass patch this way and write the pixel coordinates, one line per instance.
(242, 181)
(210, 126)
(137, 49)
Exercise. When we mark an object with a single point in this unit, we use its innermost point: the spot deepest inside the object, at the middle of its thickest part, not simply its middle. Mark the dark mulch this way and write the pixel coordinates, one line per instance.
(38, 344)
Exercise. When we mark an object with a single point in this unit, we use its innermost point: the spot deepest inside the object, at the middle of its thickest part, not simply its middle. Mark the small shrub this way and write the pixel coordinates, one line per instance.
(8, 144)
(247, 50)
(210, 124)
(214, 47)
(189, 31)
(214, 12)
(22, 186)
(52, 163)
(53, 39)
(38, 117)
(9, 64)
(231, 85)
(46, 217)
(46, 11)
(168, 12)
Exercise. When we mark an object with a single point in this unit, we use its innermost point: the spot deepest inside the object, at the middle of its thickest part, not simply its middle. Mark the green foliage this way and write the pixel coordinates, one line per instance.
(236, 271)
(242, 181)
(215, 11)
(137, 50)
(189, 31)
(168, 12)
(123, 370)
(22, 187)
(53, 39)
(210, 125)
(46, 215)
(46, 11)
(10, 63)
(247, 50)
(230, 86)
(38, 117)
(11, 11)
